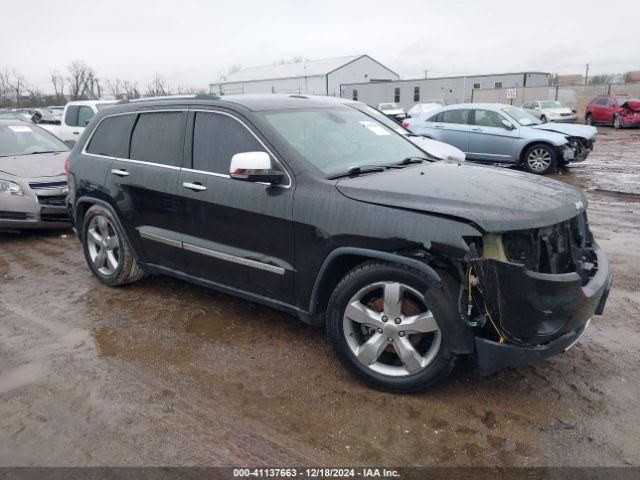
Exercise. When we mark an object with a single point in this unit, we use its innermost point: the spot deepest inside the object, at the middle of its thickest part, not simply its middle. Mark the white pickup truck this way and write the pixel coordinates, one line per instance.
(75, 117)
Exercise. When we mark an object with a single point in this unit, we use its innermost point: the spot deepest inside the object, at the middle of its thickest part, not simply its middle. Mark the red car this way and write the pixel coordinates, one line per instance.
(617, 110)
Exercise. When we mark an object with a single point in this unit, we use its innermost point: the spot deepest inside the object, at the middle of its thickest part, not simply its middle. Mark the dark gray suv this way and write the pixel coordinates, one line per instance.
(321, 211)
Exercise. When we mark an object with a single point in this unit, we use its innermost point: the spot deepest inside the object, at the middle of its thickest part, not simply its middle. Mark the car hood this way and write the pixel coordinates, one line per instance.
(493, 198)
(569, 129)
(632, 105)
(35, 165)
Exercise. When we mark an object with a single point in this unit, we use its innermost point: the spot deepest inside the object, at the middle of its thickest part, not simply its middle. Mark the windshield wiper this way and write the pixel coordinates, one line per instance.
(45, 151)
(358, 171)
(410, 160)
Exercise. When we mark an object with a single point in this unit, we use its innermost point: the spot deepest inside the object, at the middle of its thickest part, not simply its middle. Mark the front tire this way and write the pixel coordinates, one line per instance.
(387, 327)
(106, 250)
(543, 119)
(540, 159)
(617, 122)
(589, 119)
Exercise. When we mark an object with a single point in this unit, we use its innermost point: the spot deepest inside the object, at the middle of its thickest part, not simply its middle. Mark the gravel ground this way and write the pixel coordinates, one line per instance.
(166, 373)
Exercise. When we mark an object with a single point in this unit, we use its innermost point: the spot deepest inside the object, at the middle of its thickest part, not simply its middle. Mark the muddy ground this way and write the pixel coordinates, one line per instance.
(163, 372)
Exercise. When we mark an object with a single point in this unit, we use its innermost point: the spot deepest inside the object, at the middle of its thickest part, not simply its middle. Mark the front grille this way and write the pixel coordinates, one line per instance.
(48, 185)
(52, 200)
(561, 248)
(13, 216)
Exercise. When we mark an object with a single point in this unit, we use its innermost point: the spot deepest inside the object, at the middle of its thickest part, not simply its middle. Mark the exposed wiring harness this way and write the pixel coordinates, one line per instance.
(470, 302)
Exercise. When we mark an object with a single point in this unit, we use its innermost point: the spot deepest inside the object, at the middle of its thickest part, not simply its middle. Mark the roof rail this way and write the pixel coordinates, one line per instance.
(171, 97)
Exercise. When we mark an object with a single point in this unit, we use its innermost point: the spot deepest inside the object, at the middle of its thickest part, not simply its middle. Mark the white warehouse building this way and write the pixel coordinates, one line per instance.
(448, 90)
(314, 77)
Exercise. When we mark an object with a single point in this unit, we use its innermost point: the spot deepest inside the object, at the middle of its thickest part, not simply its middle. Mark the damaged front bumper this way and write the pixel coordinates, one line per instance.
(543, 314)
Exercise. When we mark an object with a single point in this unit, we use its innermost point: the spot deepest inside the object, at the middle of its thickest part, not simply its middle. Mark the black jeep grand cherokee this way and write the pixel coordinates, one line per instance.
(318, 209)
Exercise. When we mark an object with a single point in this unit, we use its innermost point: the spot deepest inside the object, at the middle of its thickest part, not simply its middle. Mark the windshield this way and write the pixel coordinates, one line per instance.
(382, 118)
(520, 116)
(551, 105)
(338, 139)
(389, 106)
(25, 139)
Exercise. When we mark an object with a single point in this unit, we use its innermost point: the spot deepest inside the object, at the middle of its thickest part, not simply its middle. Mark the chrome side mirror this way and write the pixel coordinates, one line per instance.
(254, 167)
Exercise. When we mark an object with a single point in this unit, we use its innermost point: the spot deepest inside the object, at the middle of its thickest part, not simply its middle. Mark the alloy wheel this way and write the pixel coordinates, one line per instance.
(389, 329)
(103, 245)
(539, 159)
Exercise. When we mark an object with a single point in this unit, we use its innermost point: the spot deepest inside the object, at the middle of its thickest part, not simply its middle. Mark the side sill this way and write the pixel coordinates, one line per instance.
(252, 297)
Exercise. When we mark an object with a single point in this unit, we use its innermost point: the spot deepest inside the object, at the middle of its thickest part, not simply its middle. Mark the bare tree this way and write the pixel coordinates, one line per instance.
(131, 89)
(158, 87)
(113, 87)
(80, 79)
(230, 71)
(5, 90)
(17, 85)
(57, 80)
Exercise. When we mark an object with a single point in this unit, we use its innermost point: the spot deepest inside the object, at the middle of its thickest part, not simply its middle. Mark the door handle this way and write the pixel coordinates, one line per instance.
(120, 173)
(196, 187)
(438, 126)
(476, 130)
(76, 133)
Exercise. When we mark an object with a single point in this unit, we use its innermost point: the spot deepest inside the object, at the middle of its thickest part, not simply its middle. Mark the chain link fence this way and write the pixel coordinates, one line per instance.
(573, 96)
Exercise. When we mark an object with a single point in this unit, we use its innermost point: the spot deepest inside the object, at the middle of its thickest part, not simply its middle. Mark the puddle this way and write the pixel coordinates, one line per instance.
(21, 376)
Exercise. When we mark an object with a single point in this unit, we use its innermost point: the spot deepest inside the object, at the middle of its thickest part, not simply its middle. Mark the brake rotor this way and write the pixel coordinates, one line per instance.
(409, 308)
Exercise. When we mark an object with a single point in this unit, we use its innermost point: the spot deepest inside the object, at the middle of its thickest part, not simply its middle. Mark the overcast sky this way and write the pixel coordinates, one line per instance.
(190, 42)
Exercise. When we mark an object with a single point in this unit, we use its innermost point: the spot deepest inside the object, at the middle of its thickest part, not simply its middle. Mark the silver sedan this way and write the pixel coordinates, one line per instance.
(33, 184)
(550, 111)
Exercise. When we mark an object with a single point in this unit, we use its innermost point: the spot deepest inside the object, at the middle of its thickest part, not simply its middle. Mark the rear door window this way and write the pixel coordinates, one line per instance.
(71, 116)
(217, 138)
(112, 136)
(458, 116)
(158, 137)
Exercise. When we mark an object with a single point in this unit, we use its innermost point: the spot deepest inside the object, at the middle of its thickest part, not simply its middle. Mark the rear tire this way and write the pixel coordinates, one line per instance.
(540, 159)
(106, 250)
(397, 346)
(543, 119)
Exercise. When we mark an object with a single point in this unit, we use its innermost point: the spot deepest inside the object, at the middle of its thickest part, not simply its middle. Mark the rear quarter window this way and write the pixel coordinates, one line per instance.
(159, 138)
(111, 137)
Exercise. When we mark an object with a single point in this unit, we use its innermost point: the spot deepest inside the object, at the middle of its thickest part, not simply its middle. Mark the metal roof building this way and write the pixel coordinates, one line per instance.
(448, 90)
(314, 77)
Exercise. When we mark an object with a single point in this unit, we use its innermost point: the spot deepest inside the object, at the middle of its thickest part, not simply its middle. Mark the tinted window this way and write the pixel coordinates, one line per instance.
(355, 95)
(159, 138)
(85, 114)
(416, 94)
(112, 136)
(71, 117)
(603, 101)
(458, 115)
(396, 95)
(498, 84)
(488, 118)
(217, 138)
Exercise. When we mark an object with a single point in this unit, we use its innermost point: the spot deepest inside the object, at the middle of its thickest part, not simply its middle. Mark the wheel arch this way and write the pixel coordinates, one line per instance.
(531, 143)
(83, 204)
(343, 259)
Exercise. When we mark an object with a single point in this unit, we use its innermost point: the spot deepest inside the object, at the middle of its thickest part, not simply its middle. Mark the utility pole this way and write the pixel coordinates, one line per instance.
(425, 73)
(586, 73)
